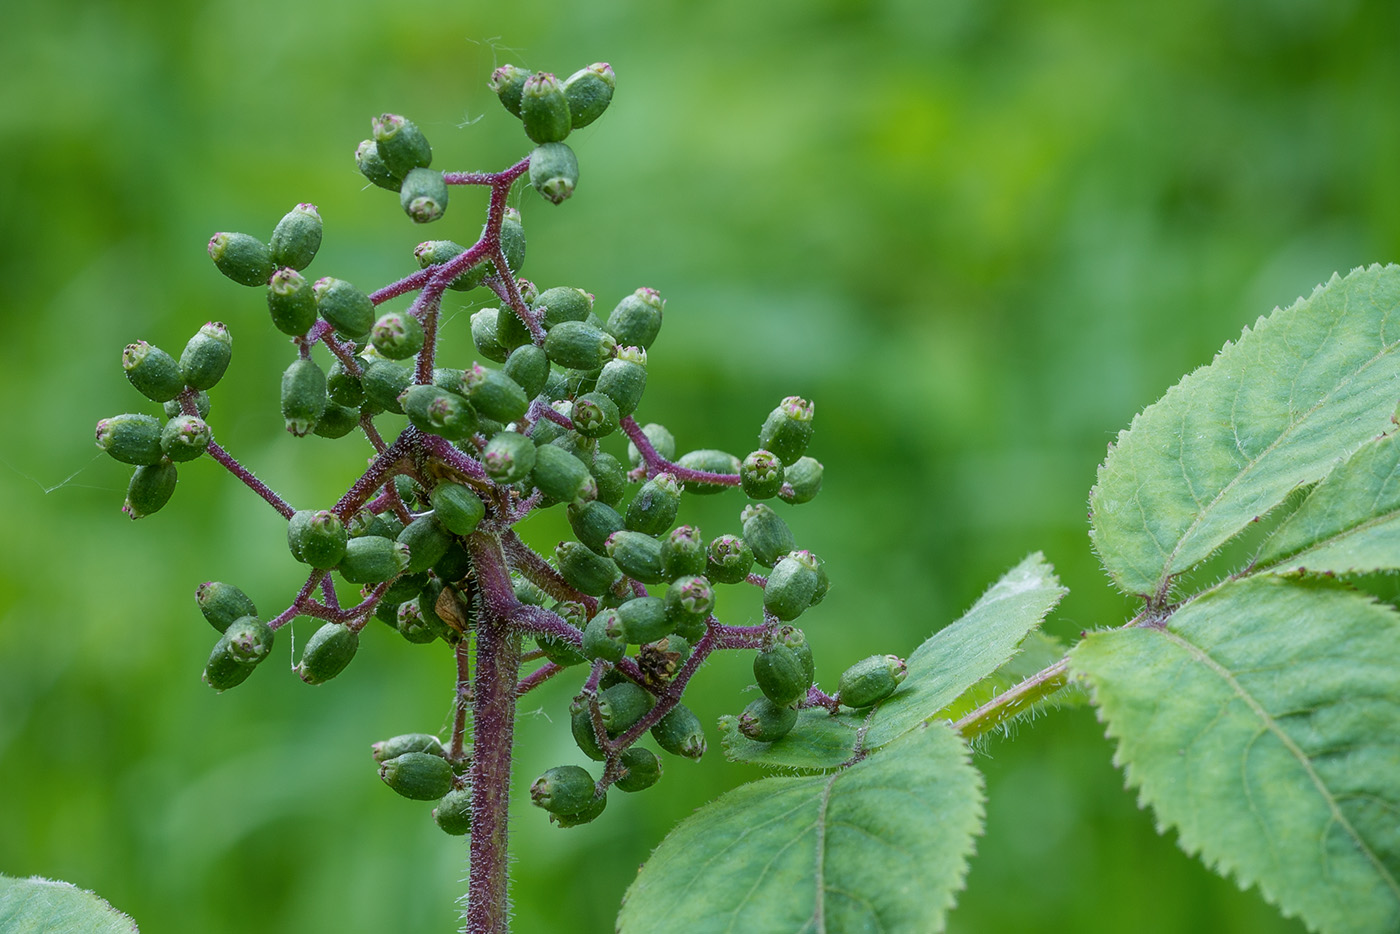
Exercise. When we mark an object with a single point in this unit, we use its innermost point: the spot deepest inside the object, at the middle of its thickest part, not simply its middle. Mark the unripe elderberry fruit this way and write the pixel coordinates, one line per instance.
(184, 438)
(761, 474)
(419, 776)
(291, 302)
(453, 813)
(423, 195)
(387, 749)
(871, 680)
(788, 429)
(791, 585)
(150, 489)
(206, 356)
(329, 650)
(303, 395)
(544, 109)
(244, 259)
(508, 82)
(223, 603)
(554, 171)
(643, 769)
(766, 533)
(781, 675)
(509, 457)
(131, 438)
(344, 307)
(589, 91)
(153, 372)
(636, 320)
(680, 733)
(397, 336)
(401, 144)
(317, 538)
(766, 722)
(297, 237)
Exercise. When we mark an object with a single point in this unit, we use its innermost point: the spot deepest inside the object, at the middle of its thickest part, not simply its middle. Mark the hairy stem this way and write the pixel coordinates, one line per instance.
(1009, 703)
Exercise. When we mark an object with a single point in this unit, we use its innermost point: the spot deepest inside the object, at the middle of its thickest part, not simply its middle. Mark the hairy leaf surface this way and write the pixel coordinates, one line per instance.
(1351, 520)
(1264, 725)
(42, 906)
(880, 846)
(946, 665)
(1277, 408)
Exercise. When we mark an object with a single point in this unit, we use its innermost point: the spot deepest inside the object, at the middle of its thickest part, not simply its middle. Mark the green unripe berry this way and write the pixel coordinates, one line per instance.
(372, 559)
(291, 302)
(326, 654)
(624, 379)
(680, 733)
(644, 619)
(455, 565)
(383, 382)
(130, 438)
(343, 387)
(316, 538)
(788, 429)
(513, 241)
(781, 675)
(153, 372)
(419, 776)
(796, 639)
(396, 746)
(184, 438)
(244, 259)
(682, 553)
(303, 395)
(638, 554)
(511, 331)
(371, 164)
(172, 407)
(585, 816)
(710, 461)
(419, 621)
(589, 91)
(636, 320)
(544, 109)
(661, 439)
(546, 430)
(508, 82)
(150, 489)
(437, 411)
(581, 726)
(643, 769)
(222, 671)
(336, 421)
(579, 345)
(494, 394)
(622, 705)
(610, 477)
(457, 508)
(206, 356)
(344, 307)
(653, 510)
(427, 542)
(223, 603)
(435, 252)
(453, 813)
(729, 560)
(791, 585)
(401, 144)
(593, 522)
(564, 789)
(766, 722)
(509, 457)
(804, 476)
(562, 303)
(595, 415)
(871, 680)
(528, 366)
(585, 570)
(404, 587)
(485, 338)
(397, 336)
(297, 237)
(561, 476)
(761, 474)
(554, 172)
(766, 533)
(384, 525)
(690, 600)
(423, 195)
(248, 640)
(603, 637)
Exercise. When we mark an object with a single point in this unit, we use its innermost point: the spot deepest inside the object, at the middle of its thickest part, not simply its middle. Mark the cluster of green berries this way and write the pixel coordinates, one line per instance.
(155, 447)
(550, 110)
(524, 426)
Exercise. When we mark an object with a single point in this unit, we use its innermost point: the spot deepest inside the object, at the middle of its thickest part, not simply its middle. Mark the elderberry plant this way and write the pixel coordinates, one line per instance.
(1258, 713)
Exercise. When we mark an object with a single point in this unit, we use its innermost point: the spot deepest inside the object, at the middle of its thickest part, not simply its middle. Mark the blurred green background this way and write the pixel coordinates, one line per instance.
(979, 234)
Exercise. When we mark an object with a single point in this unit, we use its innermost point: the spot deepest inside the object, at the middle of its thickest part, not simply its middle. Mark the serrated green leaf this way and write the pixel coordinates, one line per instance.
(880, 846)
(1277, 408)
(42, 906)
(942, 668)
(1264, 725)
(1350, 522)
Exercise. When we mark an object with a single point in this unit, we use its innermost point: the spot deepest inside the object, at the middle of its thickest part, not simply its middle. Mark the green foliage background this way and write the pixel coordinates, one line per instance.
(980, 235)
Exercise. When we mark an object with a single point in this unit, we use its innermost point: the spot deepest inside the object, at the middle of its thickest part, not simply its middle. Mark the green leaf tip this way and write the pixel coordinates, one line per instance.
(1263, 724)
(1275, 409)
(43, 906)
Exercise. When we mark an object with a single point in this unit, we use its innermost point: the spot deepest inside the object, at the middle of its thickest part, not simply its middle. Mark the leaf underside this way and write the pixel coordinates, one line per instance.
(1274, 410)
(1264, 725)
(879, 846)
(945, 666)
(1350, 522)
(41, 906)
